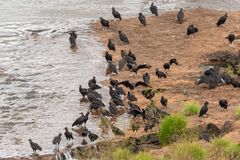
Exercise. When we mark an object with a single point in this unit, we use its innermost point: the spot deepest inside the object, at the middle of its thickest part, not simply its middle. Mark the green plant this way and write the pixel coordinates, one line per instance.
(230, 70)
(189, 151)
(191, 108)
(121, 154)
(238, 112)
(223, 148)
(171, 128)
(143, 156)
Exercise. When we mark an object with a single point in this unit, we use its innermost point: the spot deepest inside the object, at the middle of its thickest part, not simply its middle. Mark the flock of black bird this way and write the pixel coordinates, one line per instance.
(149, 115)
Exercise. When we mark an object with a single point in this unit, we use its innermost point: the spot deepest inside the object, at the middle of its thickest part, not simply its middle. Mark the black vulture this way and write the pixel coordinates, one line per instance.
(235, 83)
(122, 63)
(123, 53)
(111, 45)
(82, 119)
(191, 30)
(93, 137)
(84, 132)
(160, 74)
(112, 68)
(68, 134)
(166, 66)
(96, 104)
(116, 131)
(34, 146)
(154, 9)
(132, 55)
(113, 109)
(173, 61)
(114, 93)
(180, 16)
(231, 38)
(204, 109)
(120, 90)
(210, 77)
(142, 19)
(146, 78)
(83, 91)
(93, 80)
(134, 68)
(222, 20)
(72, 39)
(164, 101)
(131, 97)
(123, 37)
(118, 102)
(104, 22)
(56, 140)
(94, 86)
(223, 103)
(113, 82)
(92, 95)
(116, 14)
(108, 56)
(131, 86)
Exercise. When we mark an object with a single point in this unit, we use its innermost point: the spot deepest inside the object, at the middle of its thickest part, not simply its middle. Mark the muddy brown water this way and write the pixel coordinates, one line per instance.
(40, 75)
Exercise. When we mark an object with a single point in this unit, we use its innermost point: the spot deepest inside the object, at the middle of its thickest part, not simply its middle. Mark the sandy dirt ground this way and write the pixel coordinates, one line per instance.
(162, 39)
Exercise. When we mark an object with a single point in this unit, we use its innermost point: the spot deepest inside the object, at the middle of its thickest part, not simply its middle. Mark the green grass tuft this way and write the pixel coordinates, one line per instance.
(238, 112)
(191, 108)
(143, 156)
(171, 128)
(121, 154)
(189, 151)
(223, 148)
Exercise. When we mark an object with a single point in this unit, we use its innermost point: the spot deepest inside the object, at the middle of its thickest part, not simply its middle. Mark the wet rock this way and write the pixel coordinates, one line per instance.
(227, 127)
(225, 57)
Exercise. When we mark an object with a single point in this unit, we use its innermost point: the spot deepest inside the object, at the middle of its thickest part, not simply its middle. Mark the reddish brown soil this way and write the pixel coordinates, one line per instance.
(162, 39)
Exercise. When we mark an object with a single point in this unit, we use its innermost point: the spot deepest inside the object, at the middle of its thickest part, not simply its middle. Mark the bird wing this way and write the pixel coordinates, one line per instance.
(140, 83)
(141, 66)
(125, 83)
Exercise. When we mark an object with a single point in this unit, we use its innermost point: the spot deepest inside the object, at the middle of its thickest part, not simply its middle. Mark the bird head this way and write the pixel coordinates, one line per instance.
(109, 40)
(181, 9)
(140, 13)
(226, 14)
(113, 8)
(82, 113)
(101, 18)
(206, 103)
(106, 52)
(30, 140)
(197, 81)
(152, 4)
(119, 32)
(60, 134)
(157, 69)
(66, 128)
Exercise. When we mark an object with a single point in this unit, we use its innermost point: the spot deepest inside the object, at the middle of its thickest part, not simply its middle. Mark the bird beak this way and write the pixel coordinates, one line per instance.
(196, 82)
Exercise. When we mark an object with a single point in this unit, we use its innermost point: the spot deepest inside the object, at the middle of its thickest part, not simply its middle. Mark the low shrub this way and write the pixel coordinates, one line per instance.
(191, 108)
(143, 156)
(189, 151)
(223, 148)
(171, 128)
(238, 112)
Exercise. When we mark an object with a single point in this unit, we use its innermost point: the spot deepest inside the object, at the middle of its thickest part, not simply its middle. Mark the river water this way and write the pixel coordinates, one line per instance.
(40, 75)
